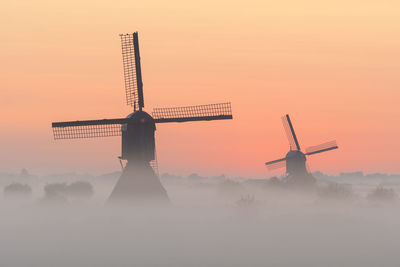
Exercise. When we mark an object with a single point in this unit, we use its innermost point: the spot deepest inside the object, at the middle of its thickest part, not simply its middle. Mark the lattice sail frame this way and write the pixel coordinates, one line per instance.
(154, 163)
(290, 135)
(277, 164)
(88, 129)
(132, 70)
(322, 147)
(193, 113)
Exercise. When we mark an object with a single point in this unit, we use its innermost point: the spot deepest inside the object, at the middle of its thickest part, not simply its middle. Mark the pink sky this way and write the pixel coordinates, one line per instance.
(334, 68)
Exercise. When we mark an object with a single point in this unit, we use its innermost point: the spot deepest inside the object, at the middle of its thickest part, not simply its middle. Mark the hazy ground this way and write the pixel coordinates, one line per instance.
(204, 226)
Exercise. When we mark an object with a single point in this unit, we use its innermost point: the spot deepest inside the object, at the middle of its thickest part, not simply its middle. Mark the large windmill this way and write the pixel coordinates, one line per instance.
(138, 180)
(295, 159)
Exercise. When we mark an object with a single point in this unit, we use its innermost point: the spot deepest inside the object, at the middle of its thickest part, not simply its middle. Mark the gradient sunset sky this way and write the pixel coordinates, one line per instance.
(334, 67)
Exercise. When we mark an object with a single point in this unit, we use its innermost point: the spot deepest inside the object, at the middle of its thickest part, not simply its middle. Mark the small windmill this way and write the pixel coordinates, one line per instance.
(295, 159)
(138, 180)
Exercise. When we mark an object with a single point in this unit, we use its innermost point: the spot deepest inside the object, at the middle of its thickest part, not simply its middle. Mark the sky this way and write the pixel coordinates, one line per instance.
(332, 65)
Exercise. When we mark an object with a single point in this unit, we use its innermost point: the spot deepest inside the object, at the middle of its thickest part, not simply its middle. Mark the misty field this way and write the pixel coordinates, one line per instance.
(349, 220)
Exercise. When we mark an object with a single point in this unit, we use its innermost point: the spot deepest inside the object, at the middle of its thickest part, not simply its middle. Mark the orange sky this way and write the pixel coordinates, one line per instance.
(333, 67)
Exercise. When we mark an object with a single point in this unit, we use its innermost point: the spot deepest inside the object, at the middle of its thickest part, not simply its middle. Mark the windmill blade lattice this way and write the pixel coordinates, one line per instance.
(322, 148)
(87, 129)
(154, 163)
(221, 111)
(276, 164)
(132, 70)
(290, 134)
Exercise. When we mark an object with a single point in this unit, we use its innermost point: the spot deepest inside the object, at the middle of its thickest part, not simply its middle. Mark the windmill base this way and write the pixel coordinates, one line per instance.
(139, 184)
(300, 180)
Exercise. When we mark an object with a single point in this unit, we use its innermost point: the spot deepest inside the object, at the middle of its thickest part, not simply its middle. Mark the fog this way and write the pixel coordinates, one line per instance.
(348, 220)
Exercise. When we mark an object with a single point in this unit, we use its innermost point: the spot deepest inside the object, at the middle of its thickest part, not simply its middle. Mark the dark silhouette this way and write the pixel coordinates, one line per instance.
(139, 181)
(80, 189)
(17, 190)
(295, 159)
(246, 201)
(63, 191)
(55, 193)
(382, 194)
(335, 191)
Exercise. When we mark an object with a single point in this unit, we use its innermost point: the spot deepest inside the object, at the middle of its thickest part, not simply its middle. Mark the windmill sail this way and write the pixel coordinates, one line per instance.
(221, 111)
(291, 135)
(154, 163)
(87, 129)
(132, 70)
(276, 164)
(321, 148)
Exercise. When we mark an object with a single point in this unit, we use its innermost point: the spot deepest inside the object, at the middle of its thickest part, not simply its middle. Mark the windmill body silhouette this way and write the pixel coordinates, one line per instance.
(295, 159)
(138, 181)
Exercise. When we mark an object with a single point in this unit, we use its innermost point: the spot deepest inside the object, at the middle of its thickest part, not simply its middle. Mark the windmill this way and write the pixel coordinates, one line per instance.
(138, 181)
(295, 159)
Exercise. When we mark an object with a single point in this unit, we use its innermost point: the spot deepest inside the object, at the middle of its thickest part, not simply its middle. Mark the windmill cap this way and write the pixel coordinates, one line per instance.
(139, 116)
(295, 154)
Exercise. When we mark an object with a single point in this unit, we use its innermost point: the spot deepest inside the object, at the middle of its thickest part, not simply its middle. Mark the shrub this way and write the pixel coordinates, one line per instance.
(17, 189)
(382, 194)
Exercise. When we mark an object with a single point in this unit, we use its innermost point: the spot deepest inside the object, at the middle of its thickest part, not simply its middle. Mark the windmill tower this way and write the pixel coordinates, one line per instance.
(138, 181)
(295, 159)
